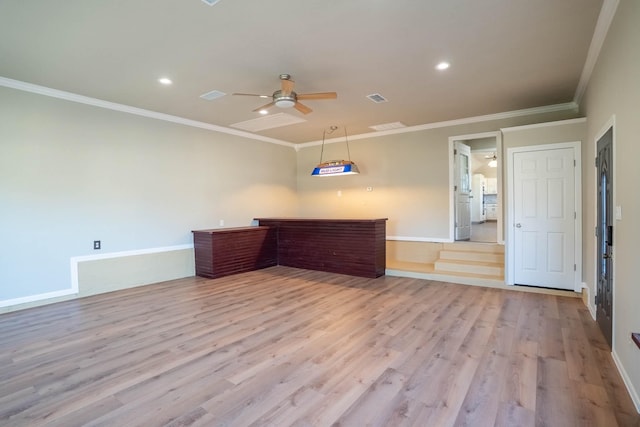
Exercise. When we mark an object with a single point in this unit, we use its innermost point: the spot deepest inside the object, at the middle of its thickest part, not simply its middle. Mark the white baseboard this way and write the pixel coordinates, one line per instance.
(627, 381)
(38, 297)
(590, 305)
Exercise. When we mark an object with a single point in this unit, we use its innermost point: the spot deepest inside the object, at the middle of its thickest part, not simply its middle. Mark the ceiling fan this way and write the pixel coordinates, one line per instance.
(287, 98)
(493, 162)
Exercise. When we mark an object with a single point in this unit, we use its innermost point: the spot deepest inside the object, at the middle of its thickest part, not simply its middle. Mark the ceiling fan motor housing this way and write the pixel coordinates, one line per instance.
(284, 101)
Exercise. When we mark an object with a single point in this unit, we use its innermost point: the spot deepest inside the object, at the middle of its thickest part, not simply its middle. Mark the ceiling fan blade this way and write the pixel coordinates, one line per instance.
(287, 86)
(252, 94)
(320, 95)
(302, 108)
(264, 107)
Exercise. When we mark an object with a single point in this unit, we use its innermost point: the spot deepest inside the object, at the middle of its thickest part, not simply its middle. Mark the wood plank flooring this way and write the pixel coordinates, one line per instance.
(284, 346)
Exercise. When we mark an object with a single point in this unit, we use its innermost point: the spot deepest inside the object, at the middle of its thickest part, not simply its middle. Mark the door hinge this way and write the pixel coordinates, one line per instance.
(596, 231)
(574, 163)
(595, 299)
(455, 188)
(574, 267)
(575, 215)
(596, 162)
(455, 151)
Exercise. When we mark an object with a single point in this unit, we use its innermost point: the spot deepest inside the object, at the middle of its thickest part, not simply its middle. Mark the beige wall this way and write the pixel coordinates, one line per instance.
(408, 174)
(71, 174)
(614, 90)
(550, 133)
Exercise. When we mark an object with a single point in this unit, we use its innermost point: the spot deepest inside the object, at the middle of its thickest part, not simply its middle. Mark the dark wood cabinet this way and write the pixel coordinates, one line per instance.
(347, 246)
(224, 251)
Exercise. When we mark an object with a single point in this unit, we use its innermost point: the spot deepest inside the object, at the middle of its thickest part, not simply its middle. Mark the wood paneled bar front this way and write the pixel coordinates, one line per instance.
(224, 251)
(347, 246)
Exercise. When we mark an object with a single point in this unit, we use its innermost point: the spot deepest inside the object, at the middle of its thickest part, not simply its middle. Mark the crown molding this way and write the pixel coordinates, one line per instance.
(544, 125)
(73, 97)
(477, 119)
(605, 18)
(69, 96)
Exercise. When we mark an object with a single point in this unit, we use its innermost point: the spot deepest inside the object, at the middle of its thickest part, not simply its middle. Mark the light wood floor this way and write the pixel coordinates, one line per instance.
(283, 346)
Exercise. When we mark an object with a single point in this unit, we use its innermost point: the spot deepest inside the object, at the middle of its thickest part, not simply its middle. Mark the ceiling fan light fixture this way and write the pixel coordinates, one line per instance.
(285, 102)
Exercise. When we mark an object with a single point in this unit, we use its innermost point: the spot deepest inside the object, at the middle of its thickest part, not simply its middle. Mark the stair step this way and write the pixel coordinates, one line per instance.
(475, 267)
(472, 256)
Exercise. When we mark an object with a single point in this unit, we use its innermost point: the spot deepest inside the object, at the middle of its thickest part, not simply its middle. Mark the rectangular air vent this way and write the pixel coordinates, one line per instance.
(377, 98)
(214, 94)
(388, 126)
(268, 122)
(211, 2)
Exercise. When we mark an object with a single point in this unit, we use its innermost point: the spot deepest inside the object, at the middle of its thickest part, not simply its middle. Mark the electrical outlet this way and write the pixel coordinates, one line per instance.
(221, 223)
(96, 244)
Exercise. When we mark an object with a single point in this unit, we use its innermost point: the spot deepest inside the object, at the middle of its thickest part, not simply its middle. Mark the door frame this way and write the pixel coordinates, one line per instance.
(577, 244)
(452, 213)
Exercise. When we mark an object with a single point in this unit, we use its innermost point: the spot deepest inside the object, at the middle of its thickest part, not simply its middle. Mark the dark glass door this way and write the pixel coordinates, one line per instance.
(604, 298)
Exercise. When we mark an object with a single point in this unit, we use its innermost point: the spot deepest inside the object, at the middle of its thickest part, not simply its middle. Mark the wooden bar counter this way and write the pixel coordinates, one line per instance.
(224, 251)
(347, 246)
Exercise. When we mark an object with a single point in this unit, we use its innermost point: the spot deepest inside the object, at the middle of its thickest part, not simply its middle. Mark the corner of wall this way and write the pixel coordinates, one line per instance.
(586, 300)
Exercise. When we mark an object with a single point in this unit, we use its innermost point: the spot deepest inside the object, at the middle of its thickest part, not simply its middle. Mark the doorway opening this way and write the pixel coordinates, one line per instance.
(476, 160)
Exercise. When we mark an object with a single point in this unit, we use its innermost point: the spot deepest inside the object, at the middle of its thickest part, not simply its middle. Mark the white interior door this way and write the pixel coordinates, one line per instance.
(544, 215)
(462, 190)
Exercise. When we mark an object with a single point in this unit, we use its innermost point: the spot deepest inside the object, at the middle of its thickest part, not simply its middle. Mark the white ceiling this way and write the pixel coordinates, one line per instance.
(505, 55)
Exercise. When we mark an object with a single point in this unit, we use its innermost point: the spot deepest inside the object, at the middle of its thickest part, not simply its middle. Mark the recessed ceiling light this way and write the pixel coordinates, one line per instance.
(165, 80)
(263, 112)
(443, 66)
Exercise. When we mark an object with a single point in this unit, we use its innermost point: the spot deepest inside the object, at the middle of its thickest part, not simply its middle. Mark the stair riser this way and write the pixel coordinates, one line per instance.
(472, 256)
(467, 268)
(473, 247)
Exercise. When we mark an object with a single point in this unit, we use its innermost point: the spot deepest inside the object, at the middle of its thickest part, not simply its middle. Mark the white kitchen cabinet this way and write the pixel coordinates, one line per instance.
(491, 212)
(492, 186)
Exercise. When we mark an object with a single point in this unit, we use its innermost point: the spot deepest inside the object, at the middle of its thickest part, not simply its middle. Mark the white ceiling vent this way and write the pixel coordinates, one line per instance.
(377, 98)
(388, 126)
(214, 94)
(211, 2)
(268, 122)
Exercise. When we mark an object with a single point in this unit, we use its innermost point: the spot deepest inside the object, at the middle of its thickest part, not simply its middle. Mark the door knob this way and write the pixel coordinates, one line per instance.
(518, 225)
